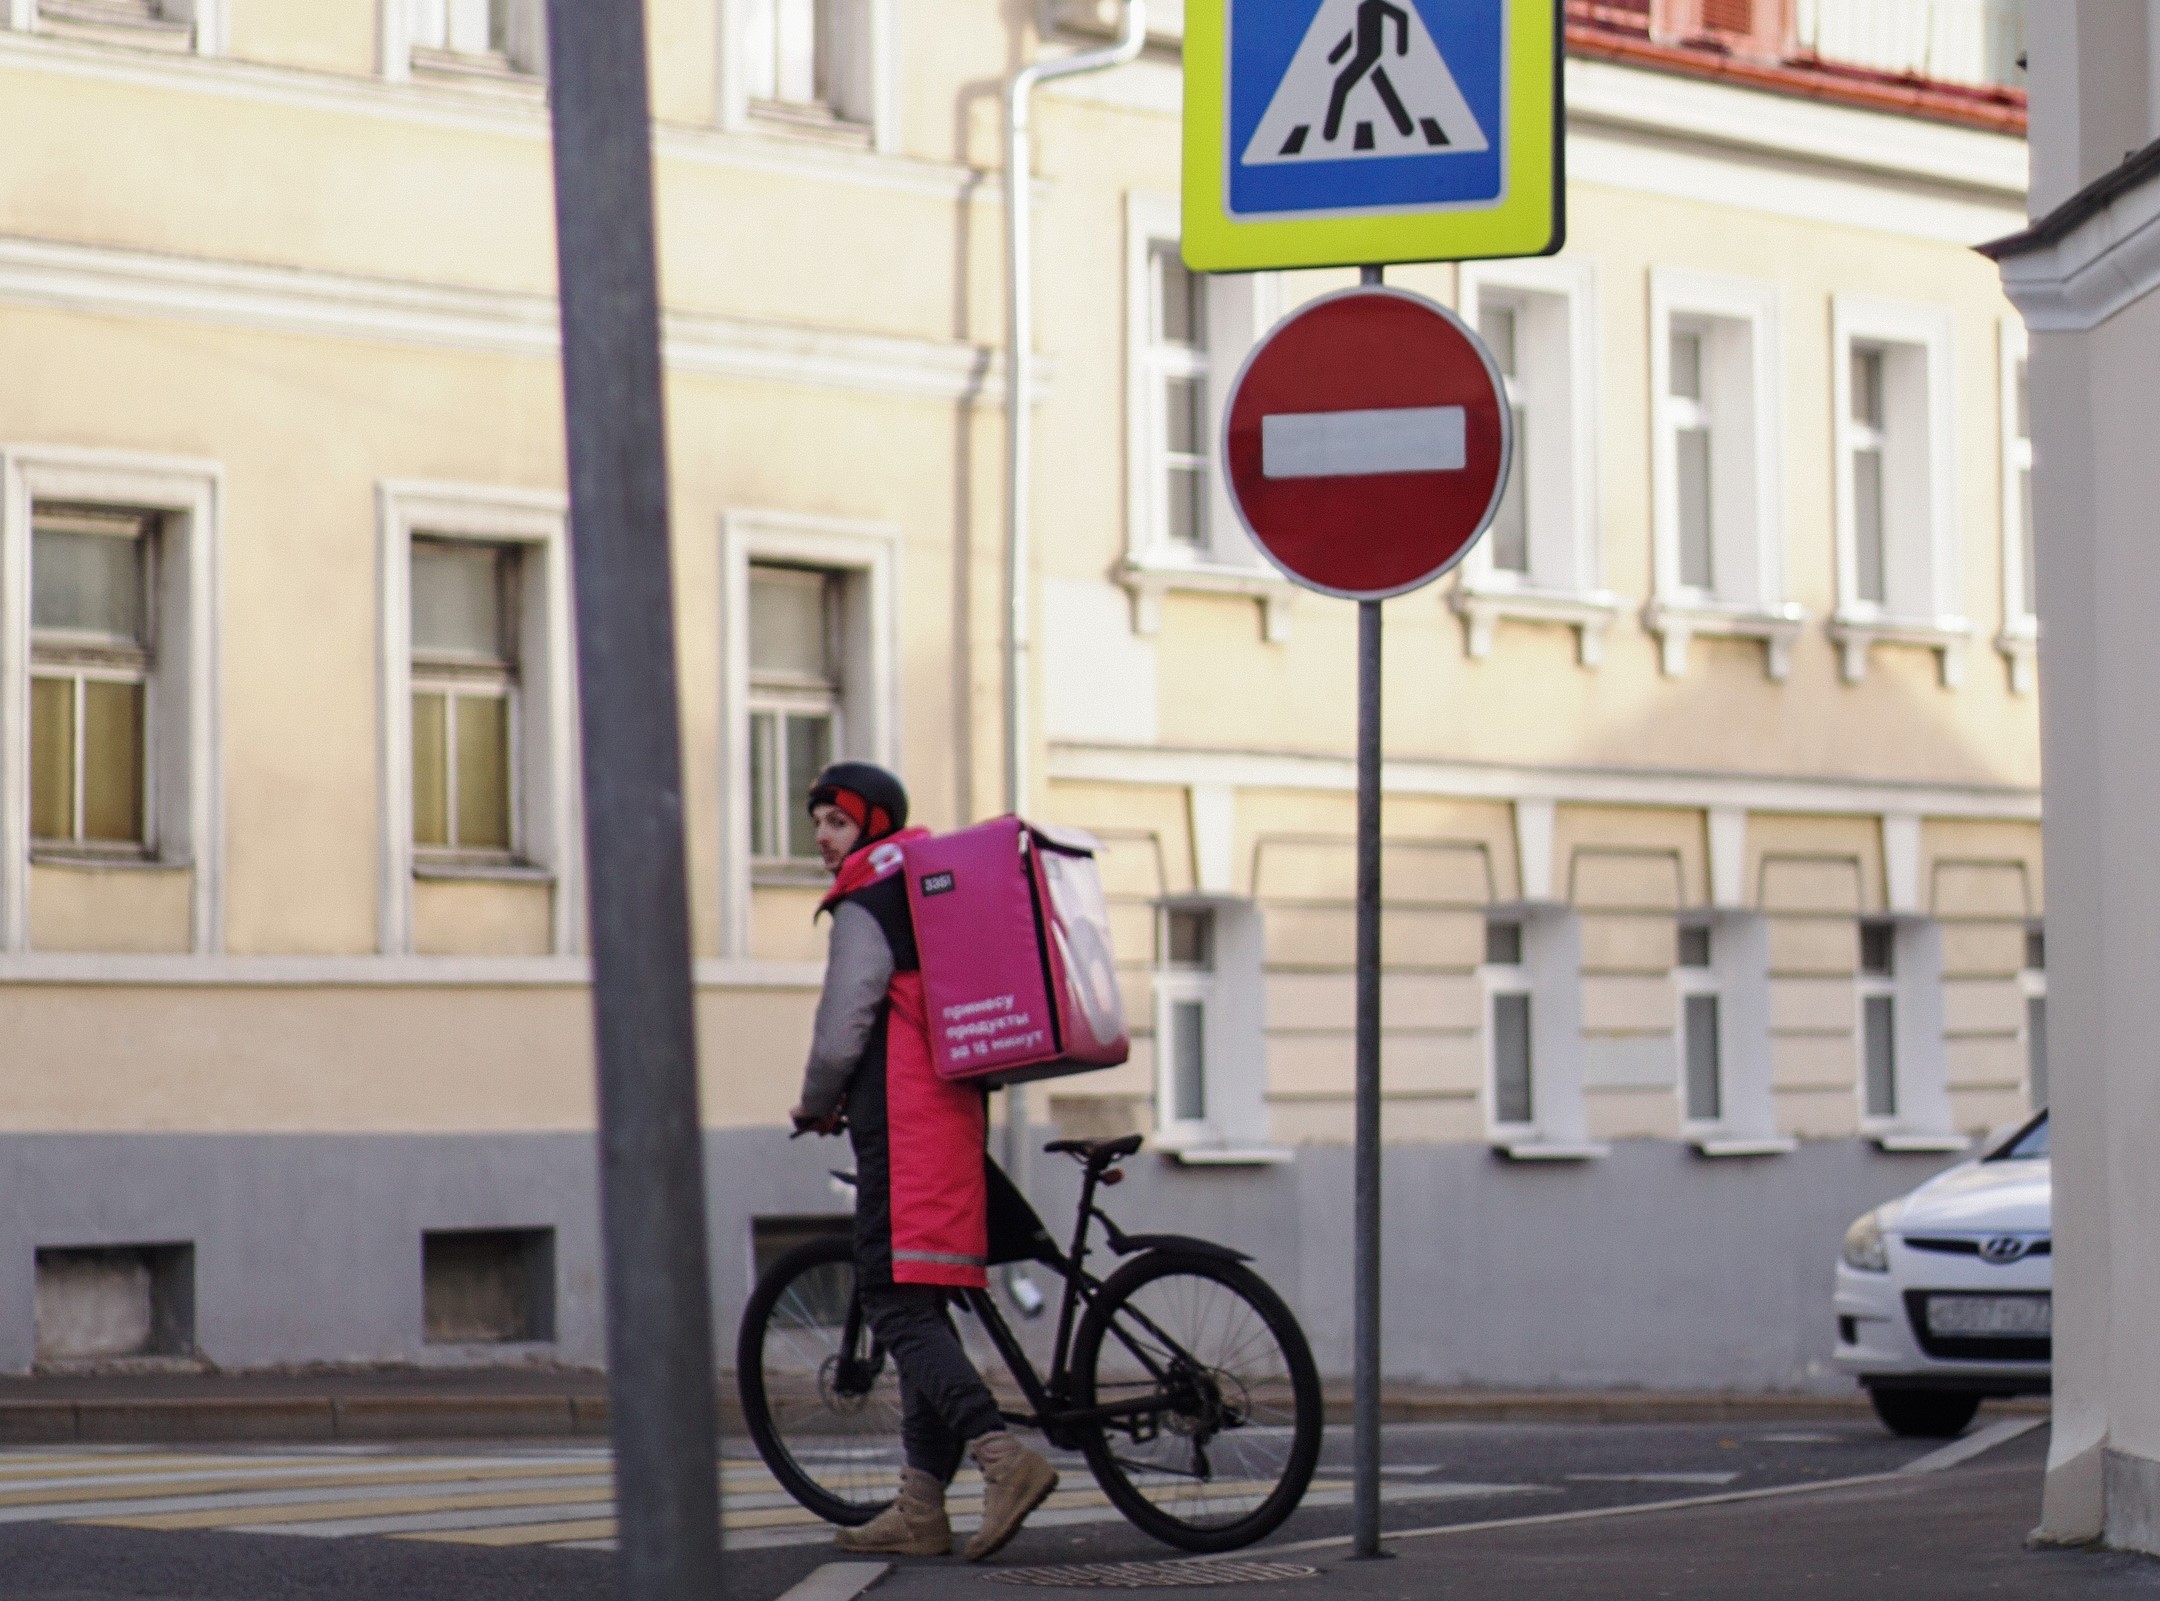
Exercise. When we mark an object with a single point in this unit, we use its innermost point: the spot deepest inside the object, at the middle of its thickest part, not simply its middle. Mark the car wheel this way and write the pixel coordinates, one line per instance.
(1924, 1414)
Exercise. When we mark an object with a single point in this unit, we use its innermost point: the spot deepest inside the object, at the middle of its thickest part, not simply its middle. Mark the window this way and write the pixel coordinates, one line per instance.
(1870, 574)
(1507, 982)
(809, 673)
(109, 667)
(795, 671)
(92, 658)
(808, 64)
(180, 25)
(1185, 989)
(1540, 563)
(1717, 467)
(1509, 536)
(2020, 634)
(2033, 981)
(499, 37)
(1897, 537)
(465, 699)
(1878, 1019)
(1186, 334)
(1702, 1076)
(1211, 1033)
(478, 759)
(1179, 383)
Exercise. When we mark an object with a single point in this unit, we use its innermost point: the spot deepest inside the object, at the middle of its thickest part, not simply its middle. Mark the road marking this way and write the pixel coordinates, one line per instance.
(1360, 444)
(839, 1581)
(1652, 1478)
(1972, 1445)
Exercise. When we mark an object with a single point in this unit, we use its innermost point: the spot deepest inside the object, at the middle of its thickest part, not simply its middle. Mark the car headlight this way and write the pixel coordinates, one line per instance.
(1864, 1247)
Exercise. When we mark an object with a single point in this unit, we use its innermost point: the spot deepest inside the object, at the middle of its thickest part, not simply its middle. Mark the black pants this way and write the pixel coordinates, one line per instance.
(944, 1402)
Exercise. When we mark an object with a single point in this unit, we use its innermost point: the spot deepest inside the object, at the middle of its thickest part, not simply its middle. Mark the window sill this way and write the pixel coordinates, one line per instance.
(1677, 622)
(1921, 1144)
(818, 122)
(462, 66)
(1721, 1145)
(2019, 643)
(101, 861)
(487, 872)
(1482, 607)
(1148, 579)
(1857, 633)
(1229, 1155)
(786, 875)
(1530, 1148)
(116, 24)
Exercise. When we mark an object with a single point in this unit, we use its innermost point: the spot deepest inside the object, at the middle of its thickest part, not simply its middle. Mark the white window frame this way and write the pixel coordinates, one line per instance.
(1744, 365)
(1234, 1075)
(1920, 1066)
(525, 59)
(185, 776)
(2019, 640)
(1550, 973)
(208, 23)
(1739, 976)
(866, 100)
(1556, 304)
(1922, 556)
(866, 556)
(544, 735)
(789, 699)
(1240, 307)
(99, 659)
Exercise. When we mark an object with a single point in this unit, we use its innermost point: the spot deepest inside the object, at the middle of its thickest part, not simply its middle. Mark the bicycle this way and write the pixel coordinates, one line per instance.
(1186, 1381)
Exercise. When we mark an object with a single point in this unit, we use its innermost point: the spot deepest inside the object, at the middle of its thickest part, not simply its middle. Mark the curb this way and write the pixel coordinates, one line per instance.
(1593, 1407)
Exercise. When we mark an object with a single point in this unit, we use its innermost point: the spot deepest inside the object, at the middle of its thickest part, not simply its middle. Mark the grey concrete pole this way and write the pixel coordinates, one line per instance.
(1365, 1428)
(652, 1178)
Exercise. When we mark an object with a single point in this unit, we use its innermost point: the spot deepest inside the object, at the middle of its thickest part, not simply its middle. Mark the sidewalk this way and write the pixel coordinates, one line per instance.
(1954, 1535)
(530, 1402)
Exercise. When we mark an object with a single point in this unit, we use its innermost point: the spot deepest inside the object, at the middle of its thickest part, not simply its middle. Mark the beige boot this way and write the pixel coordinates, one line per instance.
(1016, 1481)
(913, 1526)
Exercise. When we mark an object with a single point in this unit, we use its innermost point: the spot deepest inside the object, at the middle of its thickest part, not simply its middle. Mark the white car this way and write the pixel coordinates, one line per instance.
(1944, 1296)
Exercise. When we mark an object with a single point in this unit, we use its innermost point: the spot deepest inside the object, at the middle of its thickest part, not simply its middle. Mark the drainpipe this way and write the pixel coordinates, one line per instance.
(1019, 381)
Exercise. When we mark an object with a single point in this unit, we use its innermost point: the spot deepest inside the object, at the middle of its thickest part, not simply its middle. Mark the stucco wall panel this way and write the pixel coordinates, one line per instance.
(1632, 1112)
(1982, 1006)
(1812, 1062)
(1813, 1006)
(1983, 950)
(1981, 889)
(1813, 946)
(132, 908)
(1825, 1113)
(1623, 943)
(476, 918)
(1627, 1005)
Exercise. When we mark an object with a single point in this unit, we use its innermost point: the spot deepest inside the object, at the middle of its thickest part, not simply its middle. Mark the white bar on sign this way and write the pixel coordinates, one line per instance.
(1358, 444)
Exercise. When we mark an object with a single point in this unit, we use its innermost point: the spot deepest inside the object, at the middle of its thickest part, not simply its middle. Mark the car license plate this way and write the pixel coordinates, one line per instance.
(1970, 1315)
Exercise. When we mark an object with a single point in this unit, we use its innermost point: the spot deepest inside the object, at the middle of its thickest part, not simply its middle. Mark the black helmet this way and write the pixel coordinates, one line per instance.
(880, 799)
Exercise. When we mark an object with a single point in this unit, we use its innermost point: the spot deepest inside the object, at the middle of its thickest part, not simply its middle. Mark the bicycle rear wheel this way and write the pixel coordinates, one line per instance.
(1228, 1446)
(821, 1399)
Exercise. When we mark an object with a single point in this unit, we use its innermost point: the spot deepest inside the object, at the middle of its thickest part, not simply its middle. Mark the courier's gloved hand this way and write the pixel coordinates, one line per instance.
(808, 1122)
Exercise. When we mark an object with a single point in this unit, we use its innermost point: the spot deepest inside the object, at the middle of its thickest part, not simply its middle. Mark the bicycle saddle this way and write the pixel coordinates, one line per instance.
(1098, 1153)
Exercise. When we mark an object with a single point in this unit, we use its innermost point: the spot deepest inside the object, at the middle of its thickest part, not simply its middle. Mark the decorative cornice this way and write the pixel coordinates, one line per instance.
(1677, 622)
(1857, 635)
(1483, 606)
(1175, 766)
(2092, 255)
(110, 281)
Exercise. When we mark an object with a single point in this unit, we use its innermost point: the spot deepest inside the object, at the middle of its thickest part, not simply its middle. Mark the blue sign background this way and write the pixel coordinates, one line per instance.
(1264, 37)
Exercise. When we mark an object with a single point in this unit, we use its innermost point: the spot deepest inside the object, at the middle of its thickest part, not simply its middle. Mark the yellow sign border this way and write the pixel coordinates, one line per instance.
(1528, 219)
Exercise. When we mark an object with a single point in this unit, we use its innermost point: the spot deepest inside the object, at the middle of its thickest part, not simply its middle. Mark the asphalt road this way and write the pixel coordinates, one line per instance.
(243, 1524)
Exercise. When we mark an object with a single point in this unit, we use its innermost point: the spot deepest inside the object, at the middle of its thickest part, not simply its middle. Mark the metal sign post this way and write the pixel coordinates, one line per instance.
(1367, 440)
(652, 1180)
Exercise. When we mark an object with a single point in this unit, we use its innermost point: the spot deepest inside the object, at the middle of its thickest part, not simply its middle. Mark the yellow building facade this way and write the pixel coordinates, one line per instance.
(1713, 814)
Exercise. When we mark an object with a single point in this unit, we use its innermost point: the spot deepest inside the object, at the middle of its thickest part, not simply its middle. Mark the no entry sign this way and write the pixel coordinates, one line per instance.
(1367, 440)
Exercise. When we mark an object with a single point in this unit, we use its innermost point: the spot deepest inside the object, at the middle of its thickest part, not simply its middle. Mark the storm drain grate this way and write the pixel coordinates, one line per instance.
(1154, 1575)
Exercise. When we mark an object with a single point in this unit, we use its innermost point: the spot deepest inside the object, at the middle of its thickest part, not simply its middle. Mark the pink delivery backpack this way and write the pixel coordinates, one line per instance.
(1014, 937)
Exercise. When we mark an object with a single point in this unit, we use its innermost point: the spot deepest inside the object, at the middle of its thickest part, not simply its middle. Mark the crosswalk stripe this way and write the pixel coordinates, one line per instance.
(302, 1479)
(316, 1508)
(462, 1522)
(545, 1534)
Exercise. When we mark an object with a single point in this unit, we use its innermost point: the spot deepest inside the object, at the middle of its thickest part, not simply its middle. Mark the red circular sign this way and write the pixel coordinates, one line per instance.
(1367, 440)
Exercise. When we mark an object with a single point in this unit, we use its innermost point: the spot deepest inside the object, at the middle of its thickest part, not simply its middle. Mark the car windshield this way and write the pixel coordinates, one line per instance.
(2030, 1144)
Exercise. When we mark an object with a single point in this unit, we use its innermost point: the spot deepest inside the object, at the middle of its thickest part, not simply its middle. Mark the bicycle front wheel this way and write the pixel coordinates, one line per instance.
(820, 1397)
(1225, 1420)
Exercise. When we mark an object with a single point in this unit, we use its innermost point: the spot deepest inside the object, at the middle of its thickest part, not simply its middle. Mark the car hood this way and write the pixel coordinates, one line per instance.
(1978, 1198)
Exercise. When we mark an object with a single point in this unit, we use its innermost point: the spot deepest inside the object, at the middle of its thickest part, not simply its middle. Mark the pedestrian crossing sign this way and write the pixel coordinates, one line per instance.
(1340, 132)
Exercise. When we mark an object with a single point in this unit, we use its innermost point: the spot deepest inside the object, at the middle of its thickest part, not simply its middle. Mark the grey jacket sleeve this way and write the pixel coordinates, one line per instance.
(858, 970)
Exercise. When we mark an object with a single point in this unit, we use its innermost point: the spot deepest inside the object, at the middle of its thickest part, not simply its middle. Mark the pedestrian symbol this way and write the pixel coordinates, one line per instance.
(1343, 131)
(1366, 83)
